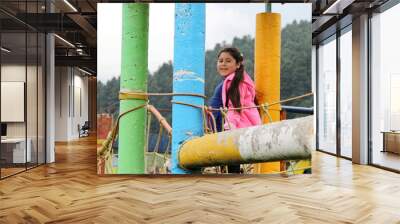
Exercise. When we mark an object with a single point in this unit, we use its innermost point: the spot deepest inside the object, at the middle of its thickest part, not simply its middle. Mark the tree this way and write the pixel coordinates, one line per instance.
(296, 62)
(295, 72)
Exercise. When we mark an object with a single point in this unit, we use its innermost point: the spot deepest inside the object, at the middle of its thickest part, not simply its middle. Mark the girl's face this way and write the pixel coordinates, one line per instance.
(226, 64)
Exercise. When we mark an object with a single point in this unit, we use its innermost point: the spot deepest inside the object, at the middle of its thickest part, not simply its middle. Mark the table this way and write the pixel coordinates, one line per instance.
(16, 148)
(391, 141)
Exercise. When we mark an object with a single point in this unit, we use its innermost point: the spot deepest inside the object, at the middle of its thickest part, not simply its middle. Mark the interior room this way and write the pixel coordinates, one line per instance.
(48, 150)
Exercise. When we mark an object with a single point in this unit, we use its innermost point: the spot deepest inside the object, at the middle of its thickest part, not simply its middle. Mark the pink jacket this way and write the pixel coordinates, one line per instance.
(247, 117)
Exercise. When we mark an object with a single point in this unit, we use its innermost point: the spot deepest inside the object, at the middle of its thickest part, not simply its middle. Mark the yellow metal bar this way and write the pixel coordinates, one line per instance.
(267, 71)
(286, 140)
(195, 153)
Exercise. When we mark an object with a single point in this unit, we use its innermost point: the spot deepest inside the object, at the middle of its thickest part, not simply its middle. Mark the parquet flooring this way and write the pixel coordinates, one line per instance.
(387, 159)
(69, 191)
(10, 171)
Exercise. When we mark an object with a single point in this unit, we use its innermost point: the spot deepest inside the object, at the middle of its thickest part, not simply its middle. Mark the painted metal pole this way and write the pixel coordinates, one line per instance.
(135, 25)
(267, 62)
(285, 140)
(268, 7)
(188, 76)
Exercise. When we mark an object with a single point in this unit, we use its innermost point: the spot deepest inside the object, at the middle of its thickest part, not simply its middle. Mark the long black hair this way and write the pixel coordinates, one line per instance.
(233, 93)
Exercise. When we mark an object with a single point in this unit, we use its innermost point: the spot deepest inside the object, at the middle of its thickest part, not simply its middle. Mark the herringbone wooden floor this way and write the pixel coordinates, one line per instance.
(69, 191)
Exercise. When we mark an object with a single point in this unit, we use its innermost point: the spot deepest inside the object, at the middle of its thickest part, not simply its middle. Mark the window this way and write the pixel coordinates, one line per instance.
(22, 76)
(327, 95)
(385, 86)
(346, 93)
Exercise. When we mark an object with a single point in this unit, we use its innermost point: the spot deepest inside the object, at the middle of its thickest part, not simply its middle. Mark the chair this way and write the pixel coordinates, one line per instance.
(84, 130)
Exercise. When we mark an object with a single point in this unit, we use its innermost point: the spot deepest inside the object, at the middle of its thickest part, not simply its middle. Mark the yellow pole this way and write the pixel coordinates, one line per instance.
(267, 71)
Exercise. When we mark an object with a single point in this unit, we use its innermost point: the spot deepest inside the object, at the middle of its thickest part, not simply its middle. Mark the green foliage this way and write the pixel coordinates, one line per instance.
(295, 72)
(161, 82)
(296, 62)
(107, 97)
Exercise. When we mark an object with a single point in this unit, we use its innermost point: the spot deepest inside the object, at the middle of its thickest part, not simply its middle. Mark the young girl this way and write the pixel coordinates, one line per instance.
(237, 91)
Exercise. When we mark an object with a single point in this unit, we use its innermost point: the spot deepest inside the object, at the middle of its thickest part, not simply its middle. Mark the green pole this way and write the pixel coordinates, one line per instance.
(135, 26)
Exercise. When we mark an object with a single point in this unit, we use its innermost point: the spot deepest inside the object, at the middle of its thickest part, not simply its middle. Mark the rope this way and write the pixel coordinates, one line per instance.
(224, 112)
(157, 146)
(210, 127)
(110, 139)
(265, 109)
(106, 151)
(247, 168)
(160, 118)
(128, 95)
(203, 112)
(149, 115)
(163, 125)
(168, 146)
(188, 104)
(293, 98)
(248, 107)
(105, 155)
(214, 123)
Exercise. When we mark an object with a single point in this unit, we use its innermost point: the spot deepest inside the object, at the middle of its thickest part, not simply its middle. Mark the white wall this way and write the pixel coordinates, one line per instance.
(71, 94)
(10, 73)
(61, 103)
(33, 126)
(16, 73)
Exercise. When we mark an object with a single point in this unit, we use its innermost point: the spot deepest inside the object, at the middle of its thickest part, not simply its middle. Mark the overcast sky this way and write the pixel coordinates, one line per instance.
(223, 22)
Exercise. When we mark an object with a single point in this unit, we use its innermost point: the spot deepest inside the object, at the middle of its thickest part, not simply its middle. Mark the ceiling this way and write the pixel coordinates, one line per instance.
(329, 16)
(76, 22)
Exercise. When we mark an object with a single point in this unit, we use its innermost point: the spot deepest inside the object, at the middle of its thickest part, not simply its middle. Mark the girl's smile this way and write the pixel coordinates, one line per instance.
(226, 64)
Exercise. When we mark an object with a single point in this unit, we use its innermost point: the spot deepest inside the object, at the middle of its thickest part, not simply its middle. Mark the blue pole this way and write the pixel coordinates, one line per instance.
(188, 75)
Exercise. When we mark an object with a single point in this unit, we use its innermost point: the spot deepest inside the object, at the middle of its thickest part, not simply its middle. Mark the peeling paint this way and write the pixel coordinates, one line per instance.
(289, 139)
(188, 76)
(184, 75)
(184, 72)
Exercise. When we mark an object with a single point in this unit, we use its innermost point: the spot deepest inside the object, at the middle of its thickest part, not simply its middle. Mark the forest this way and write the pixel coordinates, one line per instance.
(295, 72)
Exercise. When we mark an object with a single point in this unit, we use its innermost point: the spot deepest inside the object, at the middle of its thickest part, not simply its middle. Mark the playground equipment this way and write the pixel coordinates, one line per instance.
(105, 152)
(188, 77)
(267, 60)
(286, 140)
(135, 25)
(190, 149)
